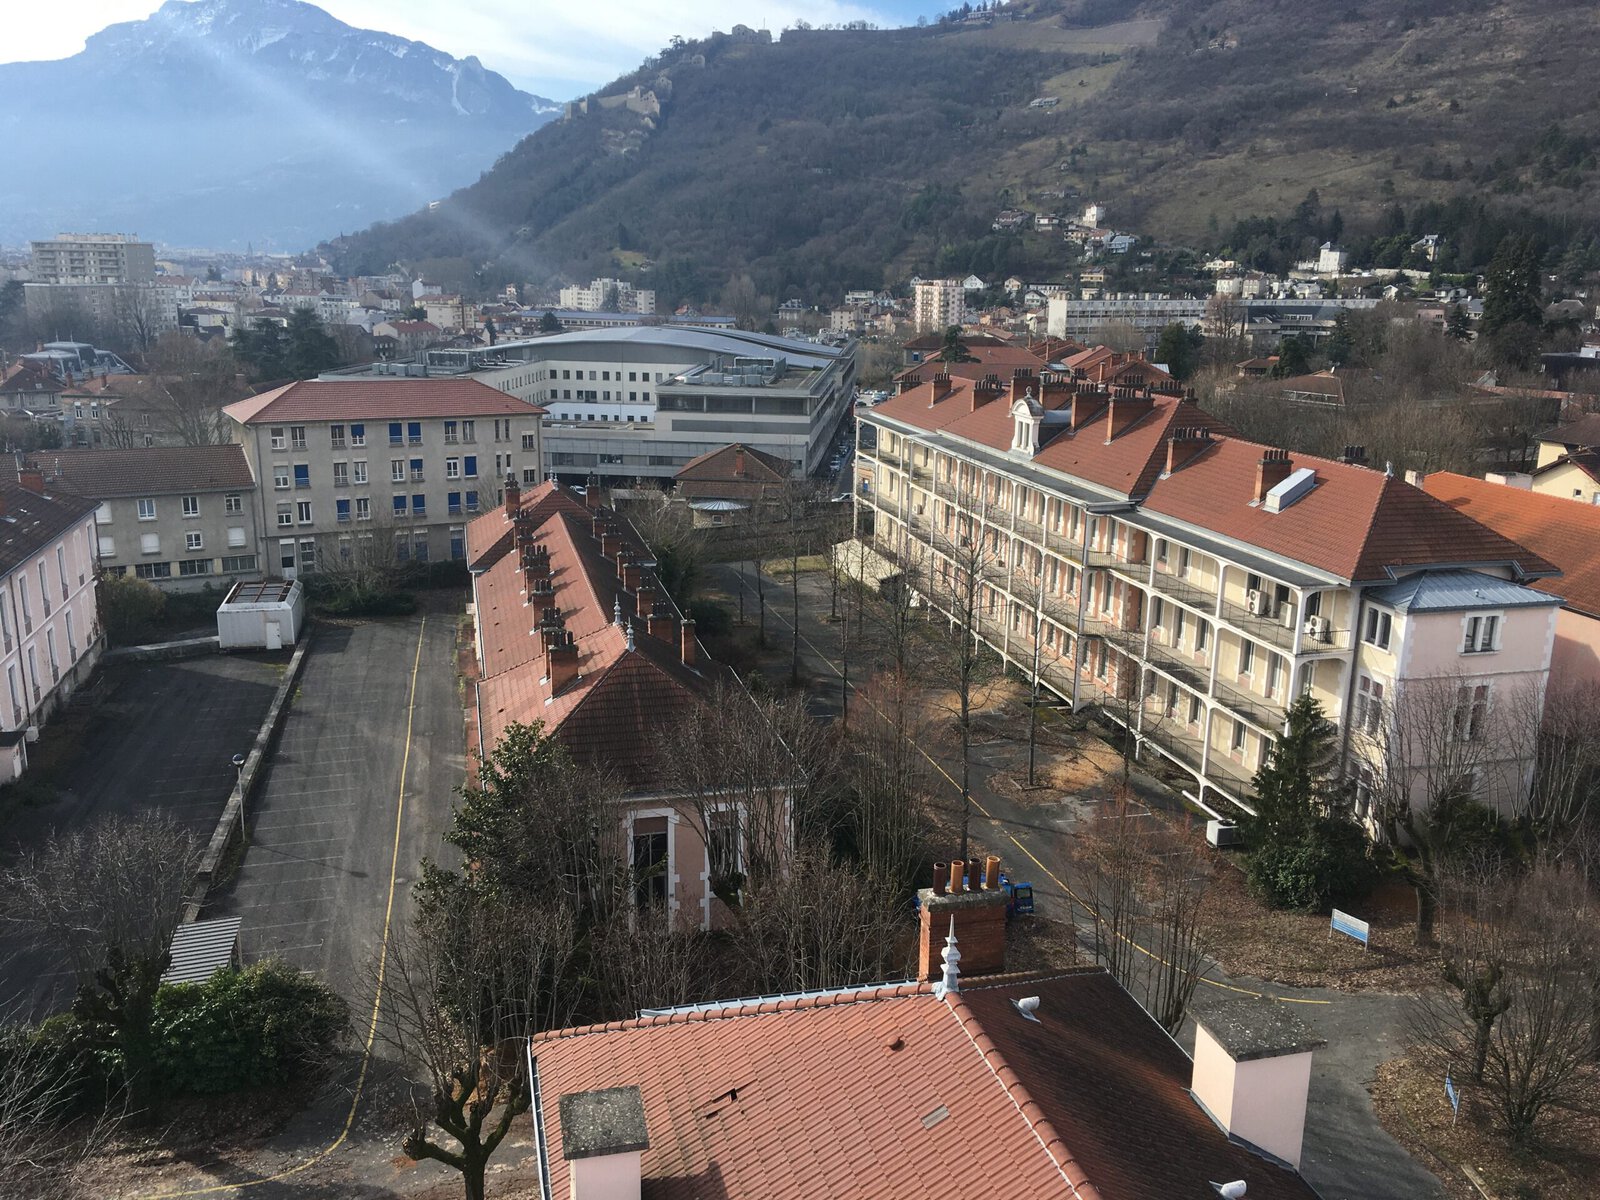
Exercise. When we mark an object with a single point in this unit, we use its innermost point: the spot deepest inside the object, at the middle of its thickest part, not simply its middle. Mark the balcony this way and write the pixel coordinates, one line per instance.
(1230, 776)
(1184, 590)
(1173, 662)
(1278, 630)
(1266, 713)
(1176, 740)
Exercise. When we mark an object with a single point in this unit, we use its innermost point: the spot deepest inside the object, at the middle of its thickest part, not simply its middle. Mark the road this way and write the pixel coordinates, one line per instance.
(1348, 1154)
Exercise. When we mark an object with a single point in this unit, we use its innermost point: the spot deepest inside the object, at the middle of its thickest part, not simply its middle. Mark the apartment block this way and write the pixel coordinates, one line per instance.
(1193, 583)
(609, 295)
(50, 635)
(181, 517)
(93, 258)
(374, 468)
(938, 304)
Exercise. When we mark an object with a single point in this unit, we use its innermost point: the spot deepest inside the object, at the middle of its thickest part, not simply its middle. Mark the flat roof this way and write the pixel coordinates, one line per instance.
(261, 591)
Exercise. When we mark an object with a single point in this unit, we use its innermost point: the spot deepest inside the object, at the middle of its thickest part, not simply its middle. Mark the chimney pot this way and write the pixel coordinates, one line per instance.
(958, 877)
(980, 925)
(563, 660)
(687, 639)
(513, 496)
(941, 875)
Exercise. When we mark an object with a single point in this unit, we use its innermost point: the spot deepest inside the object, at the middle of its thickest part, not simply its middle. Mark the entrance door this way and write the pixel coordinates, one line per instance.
(274, 636)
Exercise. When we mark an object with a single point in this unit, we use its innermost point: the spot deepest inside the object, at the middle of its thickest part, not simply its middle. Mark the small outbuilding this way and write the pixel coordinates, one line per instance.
(264, 614)
(202, 948)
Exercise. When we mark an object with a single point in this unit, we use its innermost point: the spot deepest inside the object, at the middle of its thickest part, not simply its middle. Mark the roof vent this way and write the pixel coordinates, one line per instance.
(1291, 489)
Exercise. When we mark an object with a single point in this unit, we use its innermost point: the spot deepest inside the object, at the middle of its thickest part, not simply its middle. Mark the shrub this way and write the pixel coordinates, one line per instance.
(129, 607)
(259, 1027)
(1320, 864)
(711, 620)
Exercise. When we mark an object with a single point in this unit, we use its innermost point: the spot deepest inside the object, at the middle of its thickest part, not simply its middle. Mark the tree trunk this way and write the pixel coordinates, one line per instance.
(472, 1177)
(1426, 909)
(1480, 1047)
(794, 598)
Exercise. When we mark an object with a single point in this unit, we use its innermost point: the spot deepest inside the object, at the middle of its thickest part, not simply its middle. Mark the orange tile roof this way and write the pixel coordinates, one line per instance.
(891, 1091)
(1356, 523)
(609, 715)
(1566, 532)
(377, 400)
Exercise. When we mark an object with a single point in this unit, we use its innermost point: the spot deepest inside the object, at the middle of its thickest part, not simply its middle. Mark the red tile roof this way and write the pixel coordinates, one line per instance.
(891, 1091)
(735, 472)
(1356, 523)
(377, 400)
(1566, 532)
(610, 714)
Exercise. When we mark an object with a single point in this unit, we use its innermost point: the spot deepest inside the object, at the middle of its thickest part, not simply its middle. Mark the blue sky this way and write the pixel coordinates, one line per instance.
(552, 47)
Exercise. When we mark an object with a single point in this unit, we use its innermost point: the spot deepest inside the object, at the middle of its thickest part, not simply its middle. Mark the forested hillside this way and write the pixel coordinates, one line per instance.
(834, 159)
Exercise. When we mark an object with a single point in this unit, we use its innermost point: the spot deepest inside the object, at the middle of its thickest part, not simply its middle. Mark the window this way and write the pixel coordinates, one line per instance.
(650, 861)
(149, 543)
(414, 432)
(419, 505)
(280, 478)
(1471, 712)
(1482, 635)
(723, 860)
(398, 503)
(469, 466)
(233, 502)
(108, 547)
(191, 505)
(44, 588)
(341, 511)
(453, 503)
(452, 468)
(194, 540)
(1236, 744)
(302, 512)
(341, 474)
(102, 514)
(1247, 657)
(397, 434)
(363, 509)
(458, 542)
(297, 437)
(285, 514)
(419, 547)
(1194, 710)
(1183, 561)
(1275, 669)
(1202, 635)
(468, 433)
(239, 562)
(530, 475)
(308, 554)
(397, 470)
(402, 547)
(450, 432)
(194, 566)
(279, 441)
(416, 470)
(147, 510)
(358, 471)
(156, 570)
(472, 501)
(528, 442)
(1378, 626)
(302, 475)
(611, 460)
(358, 435)
(336, 437)
(235, 535)
(1369, 704)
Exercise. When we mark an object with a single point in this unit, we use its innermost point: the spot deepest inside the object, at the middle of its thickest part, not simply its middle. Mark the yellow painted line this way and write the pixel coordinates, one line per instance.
(383, 960)
(1033, 858)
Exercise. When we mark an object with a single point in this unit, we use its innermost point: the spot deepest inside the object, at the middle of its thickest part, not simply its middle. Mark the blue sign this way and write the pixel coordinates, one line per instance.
(1450, 1091)
(1350, 926)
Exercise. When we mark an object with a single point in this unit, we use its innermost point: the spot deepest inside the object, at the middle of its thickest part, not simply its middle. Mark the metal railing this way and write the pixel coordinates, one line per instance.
(1260, 710)
(1193, 594)
(1174, 662)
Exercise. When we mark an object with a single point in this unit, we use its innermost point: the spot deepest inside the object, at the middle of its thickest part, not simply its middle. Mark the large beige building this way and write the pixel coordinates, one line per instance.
(1193, 583)
(938, 304)
(93, 258)
(349, 469)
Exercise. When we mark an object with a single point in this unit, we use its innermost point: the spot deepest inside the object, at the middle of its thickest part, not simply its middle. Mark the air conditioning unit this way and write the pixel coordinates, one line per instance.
(1317, 628)
(917, 511)
(1258, 602)
(1287, 613)
(1223, 834)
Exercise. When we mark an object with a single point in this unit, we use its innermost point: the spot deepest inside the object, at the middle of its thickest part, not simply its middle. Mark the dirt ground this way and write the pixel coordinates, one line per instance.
(1413, 1107)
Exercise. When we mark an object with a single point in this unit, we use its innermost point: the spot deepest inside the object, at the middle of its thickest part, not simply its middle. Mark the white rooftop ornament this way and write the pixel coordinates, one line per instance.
(952, 965)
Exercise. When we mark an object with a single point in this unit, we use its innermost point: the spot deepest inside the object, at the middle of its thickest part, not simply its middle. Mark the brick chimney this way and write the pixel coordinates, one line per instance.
(563, 660)
(658, 621)
(1355, 456)
(603, 1138)
(1252, 1070)
(1128, 404)
(549, 626)
(1186, 442)
(1087, 401)
(644, 599)
(1272, 468)
(941, 387)
(513, 496)
(738, 462)
(610, 541)
(909, 382)
(32, 479)
(1021, 383)
(687, 640)
(984, 390)
(979, 909)
(591, 494)
(628, 572)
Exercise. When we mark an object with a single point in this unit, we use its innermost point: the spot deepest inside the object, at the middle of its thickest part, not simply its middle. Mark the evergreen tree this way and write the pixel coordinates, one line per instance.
(1341, 346)
(260, 348)
(1457, 325)
(309, 349)
(1294, 358)
(1296, 782)
(1513, 312)
(953, 351)
(1179, 349)
(549, 323)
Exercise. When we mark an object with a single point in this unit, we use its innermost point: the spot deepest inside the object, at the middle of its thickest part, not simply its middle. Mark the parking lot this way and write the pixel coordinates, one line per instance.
(359, 790)
(146, 736)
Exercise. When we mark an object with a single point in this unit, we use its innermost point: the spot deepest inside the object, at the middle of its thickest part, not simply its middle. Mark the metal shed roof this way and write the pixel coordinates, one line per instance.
(1458, 591)
(201, 949)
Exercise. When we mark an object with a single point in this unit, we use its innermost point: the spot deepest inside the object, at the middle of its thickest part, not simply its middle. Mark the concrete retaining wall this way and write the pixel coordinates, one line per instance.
(231, 826)
(163, 651)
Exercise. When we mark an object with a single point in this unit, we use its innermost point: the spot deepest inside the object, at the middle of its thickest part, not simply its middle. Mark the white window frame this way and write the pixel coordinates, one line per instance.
(1480, 632)
(146, 509)
(194, 540)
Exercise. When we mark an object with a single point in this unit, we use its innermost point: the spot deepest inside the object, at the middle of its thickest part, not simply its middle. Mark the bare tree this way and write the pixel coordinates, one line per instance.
(1556, 728)
(108, 898)
(461, 993)
(888, 824)
(43, 1145)
(646, 956)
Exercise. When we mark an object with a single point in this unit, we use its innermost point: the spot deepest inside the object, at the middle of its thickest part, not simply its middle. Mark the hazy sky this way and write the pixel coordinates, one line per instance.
(557, 49)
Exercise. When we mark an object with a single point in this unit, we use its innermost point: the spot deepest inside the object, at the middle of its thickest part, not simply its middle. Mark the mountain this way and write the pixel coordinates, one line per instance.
(222, 122)
(830, 159)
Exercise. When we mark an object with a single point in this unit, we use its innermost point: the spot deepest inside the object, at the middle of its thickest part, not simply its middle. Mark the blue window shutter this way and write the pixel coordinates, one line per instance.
(400, 504)
(472, 499)
(395, 430)
(342, 507)
(419, 503)
(414, 428)
(469, 465)
(416, 464)
(358, 431)
(302, 474)
(454, 499)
